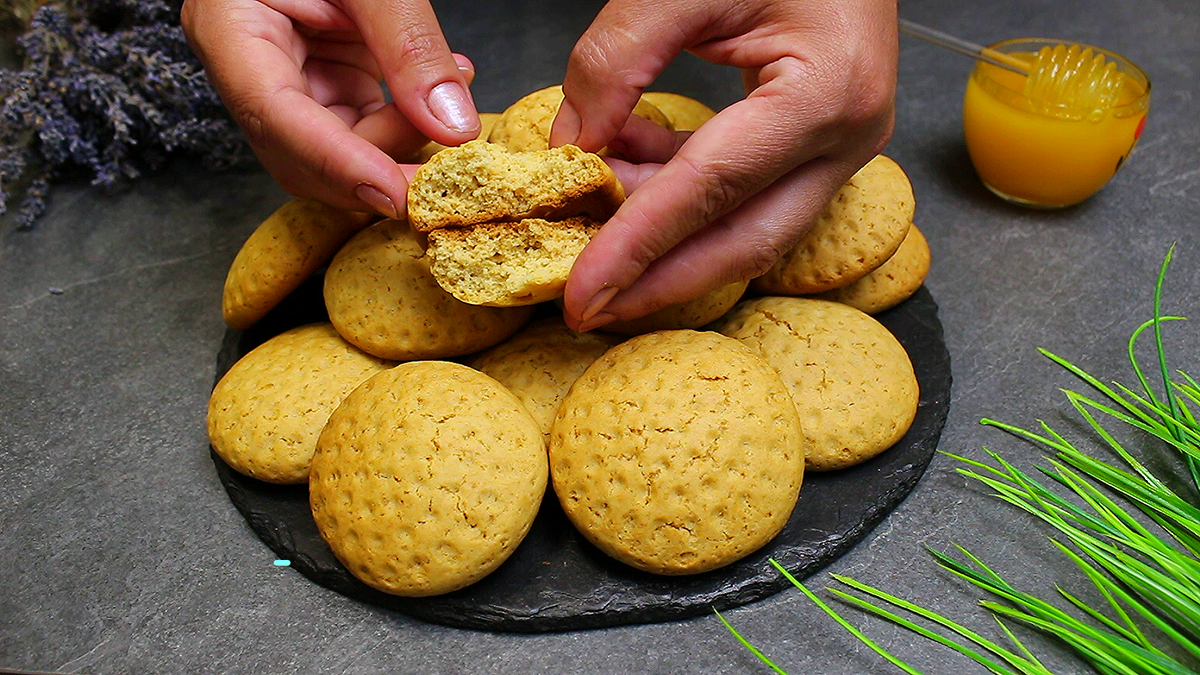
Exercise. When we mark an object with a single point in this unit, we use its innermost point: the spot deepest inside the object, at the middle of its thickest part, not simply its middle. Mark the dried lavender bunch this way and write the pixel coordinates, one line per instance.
(111, 89)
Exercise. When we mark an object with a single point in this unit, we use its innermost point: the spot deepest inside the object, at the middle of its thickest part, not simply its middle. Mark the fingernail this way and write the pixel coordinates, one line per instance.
(598, 302)
(382, 203)
(600, 319)
(566, 125)
(452, 107)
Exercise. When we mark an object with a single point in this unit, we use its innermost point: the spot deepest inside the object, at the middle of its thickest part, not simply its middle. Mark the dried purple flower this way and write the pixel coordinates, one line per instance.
(110, 88)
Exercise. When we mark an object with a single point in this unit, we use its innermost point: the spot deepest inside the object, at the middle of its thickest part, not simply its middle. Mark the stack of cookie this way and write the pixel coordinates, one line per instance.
(429, 414)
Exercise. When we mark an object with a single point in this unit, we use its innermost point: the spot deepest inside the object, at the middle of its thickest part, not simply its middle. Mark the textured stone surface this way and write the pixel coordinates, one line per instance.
(122, 553)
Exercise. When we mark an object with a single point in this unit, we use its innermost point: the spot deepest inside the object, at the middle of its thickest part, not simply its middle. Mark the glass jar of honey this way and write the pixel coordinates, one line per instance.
(1044, 152)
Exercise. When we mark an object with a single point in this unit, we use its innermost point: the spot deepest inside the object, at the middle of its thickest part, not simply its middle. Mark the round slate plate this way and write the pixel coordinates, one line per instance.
(556, 580)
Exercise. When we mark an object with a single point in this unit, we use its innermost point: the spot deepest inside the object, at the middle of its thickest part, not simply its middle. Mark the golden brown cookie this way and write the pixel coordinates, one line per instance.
(486, 122)
(525, 125)
(858, 231)
(678, 452)
(481, 182)
(427, 477)
(281, 253)
(382, 298)
(541, 362)
(685, 114)
(851, 379)
(691, 314)
(508, 264)
(892, 282)
(266, 412)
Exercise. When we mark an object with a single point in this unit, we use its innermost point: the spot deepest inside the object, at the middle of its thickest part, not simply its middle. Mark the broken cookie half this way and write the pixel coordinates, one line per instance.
(505, 227)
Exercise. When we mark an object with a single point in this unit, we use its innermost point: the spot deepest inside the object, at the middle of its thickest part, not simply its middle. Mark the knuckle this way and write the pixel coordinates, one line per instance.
(418, 45)
(717, 188)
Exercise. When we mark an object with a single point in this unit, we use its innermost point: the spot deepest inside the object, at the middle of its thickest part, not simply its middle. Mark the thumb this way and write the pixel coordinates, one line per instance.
(426, 83)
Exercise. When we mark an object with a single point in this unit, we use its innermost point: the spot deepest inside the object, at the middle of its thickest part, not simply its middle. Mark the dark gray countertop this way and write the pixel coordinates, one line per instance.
(121, 552)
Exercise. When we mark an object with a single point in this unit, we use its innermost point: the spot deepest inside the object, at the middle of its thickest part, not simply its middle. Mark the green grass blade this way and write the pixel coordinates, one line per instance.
(751, 648)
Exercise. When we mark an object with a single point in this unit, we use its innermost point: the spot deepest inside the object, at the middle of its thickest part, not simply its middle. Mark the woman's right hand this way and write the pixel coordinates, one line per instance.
(302, 79)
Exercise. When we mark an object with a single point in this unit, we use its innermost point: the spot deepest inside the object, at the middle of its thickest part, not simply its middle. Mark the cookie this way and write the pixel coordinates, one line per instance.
(685, 114)
(481, 182)
(541, 362)
(382, 298)
(678, 452)
(486, 122)
(266, 412)
(852, 381)
(525, 125)
(858, 231)
(280, 254)
(426, 478)
(691, 314)
(892, 282)
(508, 264)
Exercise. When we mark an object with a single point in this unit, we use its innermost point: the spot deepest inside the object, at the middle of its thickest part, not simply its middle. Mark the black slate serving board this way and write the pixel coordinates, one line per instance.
(556, 580)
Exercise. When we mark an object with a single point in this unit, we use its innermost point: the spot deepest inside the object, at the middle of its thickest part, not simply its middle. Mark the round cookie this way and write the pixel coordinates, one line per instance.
(266, 412)
(541, 362)
(685, 114)
(486, 122)
(525, 125)
(892, 282)
(851, 379)
(427, 477)
(283, 251)
(678, 452)
(691, 314)
(861, 228)
(382, 298)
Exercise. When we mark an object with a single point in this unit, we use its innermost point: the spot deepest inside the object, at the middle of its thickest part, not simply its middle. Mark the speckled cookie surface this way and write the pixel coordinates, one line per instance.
(382, 298)
(678, 452)
(684, 113)
(283, 251)
(861, 228)
(691, 314)
(266, 412)
(525, 125)
(892, 282)
(541, 362)
(852, 381)
(427, 477)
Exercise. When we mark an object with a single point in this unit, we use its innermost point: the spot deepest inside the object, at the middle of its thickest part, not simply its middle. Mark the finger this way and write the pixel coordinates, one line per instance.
(319, 15)
(713, 172)
(737, 247)
(387, 128)
(641, 141)
(332, 83)
(421, 73)
(620, 54)
(311, 152)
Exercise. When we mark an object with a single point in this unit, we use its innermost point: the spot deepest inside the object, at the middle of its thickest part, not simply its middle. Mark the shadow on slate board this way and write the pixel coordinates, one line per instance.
(556, 580)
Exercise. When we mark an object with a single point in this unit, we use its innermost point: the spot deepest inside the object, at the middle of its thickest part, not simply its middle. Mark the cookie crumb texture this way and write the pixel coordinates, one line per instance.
(383, 299)
(852, 380)
(427, 477)
(266, 412)
(481, 182)
(678, 452)
(508, 264)
(892, 282)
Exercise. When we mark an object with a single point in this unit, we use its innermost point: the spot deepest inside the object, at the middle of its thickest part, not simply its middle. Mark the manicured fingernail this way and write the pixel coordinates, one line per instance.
(452, 107)
(566, 125)
(600, 319)
(598, 302)
(371, 196)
